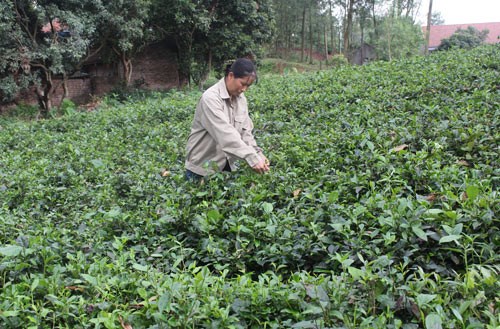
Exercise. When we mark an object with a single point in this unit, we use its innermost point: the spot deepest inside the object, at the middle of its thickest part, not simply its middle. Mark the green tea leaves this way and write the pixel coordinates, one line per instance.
(10, 250)
(380, 210)
(267, 207)
(433, 321)
(419, 232)
(472, 192)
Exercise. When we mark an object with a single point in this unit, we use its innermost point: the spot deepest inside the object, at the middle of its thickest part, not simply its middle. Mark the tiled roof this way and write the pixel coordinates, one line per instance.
(439, 32)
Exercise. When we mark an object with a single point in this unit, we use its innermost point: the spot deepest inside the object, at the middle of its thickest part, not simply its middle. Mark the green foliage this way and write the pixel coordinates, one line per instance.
(35, 49)
(279, 66)
(437, 18)
(11, 85)
(67, 107)
(12, 79)
(24, 112)
(464, 38)
(240, 29)
(38, 47)
(338, 60)
(213, 32)
(397, 38)
(123, 31)
(380, 210)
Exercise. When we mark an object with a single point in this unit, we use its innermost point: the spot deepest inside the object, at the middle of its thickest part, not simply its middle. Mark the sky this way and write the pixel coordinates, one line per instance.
(462, 11)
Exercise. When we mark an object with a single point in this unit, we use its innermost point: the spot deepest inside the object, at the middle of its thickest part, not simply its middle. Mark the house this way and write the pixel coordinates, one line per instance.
(440, 32)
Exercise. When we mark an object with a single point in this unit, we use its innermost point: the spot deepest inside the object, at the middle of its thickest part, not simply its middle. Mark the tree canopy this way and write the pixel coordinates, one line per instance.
(123, 31)
(42, 40)
(464, 38)
(208, 33)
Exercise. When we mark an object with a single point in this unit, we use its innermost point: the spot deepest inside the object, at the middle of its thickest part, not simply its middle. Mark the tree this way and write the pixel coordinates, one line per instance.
(287, 13)
(350, 5)
(363, 11)
(437, 18)
(240, 28)
(209, 32)
(306, 25)
(303, 32)
(123, 31)
(406, 8)
(50, 38)
(464, 38)
(188, 23)
(333, 24)
(397, 38)
(428, 30)
(14, 62)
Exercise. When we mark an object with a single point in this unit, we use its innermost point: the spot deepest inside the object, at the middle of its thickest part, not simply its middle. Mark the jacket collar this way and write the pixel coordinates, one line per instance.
(223, 89)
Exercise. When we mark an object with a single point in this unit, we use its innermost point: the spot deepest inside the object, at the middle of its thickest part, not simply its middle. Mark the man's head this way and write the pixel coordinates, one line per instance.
(239, 76)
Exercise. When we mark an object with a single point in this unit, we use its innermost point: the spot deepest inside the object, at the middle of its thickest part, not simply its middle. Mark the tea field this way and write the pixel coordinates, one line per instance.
(381, 209)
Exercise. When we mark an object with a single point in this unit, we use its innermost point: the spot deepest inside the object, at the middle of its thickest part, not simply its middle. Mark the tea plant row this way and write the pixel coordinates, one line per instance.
(381, 209)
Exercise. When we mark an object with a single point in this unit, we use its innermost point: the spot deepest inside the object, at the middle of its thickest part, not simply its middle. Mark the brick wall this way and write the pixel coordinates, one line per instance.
(79, 90)
(104, 77)
(155, 68)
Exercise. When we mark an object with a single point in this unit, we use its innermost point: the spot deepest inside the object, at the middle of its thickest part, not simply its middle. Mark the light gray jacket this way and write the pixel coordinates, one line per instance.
(221, 131)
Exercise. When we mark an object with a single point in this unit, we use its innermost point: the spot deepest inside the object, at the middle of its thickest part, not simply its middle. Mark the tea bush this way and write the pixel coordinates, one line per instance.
(380, 210)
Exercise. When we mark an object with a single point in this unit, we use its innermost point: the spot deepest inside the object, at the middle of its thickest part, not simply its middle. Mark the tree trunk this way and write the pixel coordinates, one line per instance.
(428, 31)
(396, 8)
(127, 69)
(374, 17)
(326, 44)
(332, 30)
(311, 37)
(303, 34)
(363, 17)
(209, 64)
(184, 59)
(206, 74)
(65, 87)
(362, 49)
(44, 95)
(126, 66)
(389, 36)
(348, 27)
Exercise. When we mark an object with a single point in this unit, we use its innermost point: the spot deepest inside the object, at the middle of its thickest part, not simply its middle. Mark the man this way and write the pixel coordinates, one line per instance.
(221, 132)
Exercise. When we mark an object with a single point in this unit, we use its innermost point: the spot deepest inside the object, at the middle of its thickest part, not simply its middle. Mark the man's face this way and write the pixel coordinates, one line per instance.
(237, 86)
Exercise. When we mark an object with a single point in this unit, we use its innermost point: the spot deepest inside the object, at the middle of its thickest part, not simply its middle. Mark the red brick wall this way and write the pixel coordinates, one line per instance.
(104, 77)
(79, 90)
(154, 69)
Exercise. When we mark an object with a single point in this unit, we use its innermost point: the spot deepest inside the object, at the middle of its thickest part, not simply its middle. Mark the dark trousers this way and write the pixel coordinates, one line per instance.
(194, 176)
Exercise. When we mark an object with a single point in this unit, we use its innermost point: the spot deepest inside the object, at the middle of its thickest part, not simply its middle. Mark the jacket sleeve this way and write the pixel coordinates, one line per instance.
(247, 135)
(215, 121)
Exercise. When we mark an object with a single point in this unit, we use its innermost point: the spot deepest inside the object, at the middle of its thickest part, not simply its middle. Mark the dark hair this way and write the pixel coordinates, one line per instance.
(242, 67)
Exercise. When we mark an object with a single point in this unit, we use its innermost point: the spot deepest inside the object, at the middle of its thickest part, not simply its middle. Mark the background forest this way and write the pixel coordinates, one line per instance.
(41, 40)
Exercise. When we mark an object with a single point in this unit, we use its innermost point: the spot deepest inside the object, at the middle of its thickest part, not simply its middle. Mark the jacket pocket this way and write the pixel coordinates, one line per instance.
(239, 123)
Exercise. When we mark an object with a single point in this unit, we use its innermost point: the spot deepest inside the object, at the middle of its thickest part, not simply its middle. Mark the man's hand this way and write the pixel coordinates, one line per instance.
(262, 166)
(266, 160)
